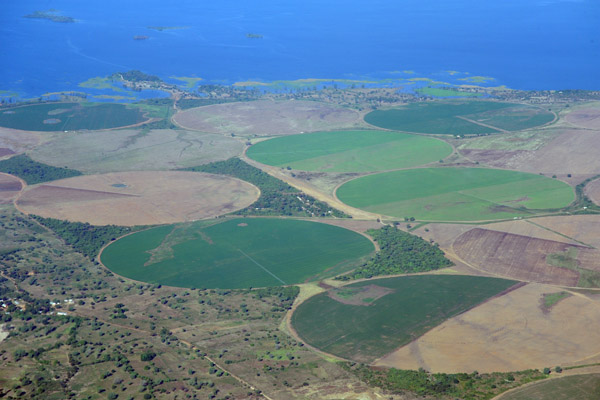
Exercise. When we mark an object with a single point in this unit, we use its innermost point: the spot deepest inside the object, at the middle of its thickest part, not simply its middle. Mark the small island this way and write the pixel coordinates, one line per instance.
(254, 36)
(140, 37)
(166, 28)
(50, 15)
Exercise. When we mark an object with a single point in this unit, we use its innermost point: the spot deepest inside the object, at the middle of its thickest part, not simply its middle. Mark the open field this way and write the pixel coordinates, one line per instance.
(138, 198)
(70, 116)
(394, 311)
(9, 188)
(508, 333)
(238, 253)
(580, 387)
(460, 117)
(592, 190)
(585, 116)
(349, 151)
(267, 118)
(583, 228)
(135, 149)
(455, 194)
(13, 141)
(529, 259)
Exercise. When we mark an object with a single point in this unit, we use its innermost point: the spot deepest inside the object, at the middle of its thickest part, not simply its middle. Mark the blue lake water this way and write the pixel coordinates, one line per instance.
(523, 44)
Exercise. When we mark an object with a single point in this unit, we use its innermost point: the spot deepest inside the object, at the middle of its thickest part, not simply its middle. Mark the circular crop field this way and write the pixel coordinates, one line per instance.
(138, 198)
(349, 151)
(237, 253)
(266, 118)
(460, 117)
(70, 116)
(366, 320)
(455, 194)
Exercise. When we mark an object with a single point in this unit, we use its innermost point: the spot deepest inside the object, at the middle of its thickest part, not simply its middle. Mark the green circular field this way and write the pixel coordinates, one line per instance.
(238, 253)
(455, 194)
(366, 320)
(349, 151)
(70, 116)
(470, 117)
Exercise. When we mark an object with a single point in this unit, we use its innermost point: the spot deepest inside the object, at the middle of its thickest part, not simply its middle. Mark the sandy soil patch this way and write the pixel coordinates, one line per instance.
(9, 188)
(135, 149)
(267, 118)
(586, 116)
(522, 257)
(138, 198)
(508, 333)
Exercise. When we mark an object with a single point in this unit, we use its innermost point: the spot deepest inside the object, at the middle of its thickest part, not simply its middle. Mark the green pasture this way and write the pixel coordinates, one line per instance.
(455, 194)
(445, 92)
(468, 117)
(70, 116)
(580, 387)
(238, 253)
(416, 305)
(349, 151)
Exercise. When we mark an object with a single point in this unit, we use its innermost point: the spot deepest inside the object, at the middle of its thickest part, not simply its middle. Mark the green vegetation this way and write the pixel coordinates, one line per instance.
(34, 172)
(445, 92)
(50, 15)
(580, 387)
(237, 253)
(550, 299)
(349, 151)
(51, 117)
(276, 196)
(184, 104)
(83, 237)
(472, 386)
(568, 259)
(459, 117)
(135, 76)
(456, 194)
(400, 253)
(414, 305)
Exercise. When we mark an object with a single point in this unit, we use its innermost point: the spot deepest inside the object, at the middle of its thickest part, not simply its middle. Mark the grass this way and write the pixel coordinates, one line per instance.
(455, 194)
(349, 151)
(568, 259)
(551, 299)
(416, 305)
(70, 116)
(580, 387)
(446, 118)
(237, 253)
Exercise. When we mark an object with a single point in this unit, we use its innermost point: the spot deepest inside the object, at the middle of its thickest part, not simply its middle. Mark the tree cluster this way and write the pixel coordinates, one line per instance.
(400, 253)
(34, 172)
(276, 196)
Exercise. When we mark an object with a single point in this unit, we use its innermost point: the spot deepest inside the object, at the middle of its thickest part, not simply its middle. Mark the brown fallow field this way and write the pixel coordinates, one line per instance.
(138, 198)
(522, 257)
(267, 118)
(9, 188)
(508, 333)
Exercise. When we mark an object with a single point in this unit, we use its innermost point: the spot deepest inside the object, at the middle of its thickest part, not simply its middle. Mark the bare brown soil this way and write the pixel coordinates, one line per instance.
(6, 152)
(267, 118)
(13, 141)
(362, 296)
(508, 333)
(592, 190)
(520, 257)
(138, 198)
(10, 187)
(586, 116)
(583, 228)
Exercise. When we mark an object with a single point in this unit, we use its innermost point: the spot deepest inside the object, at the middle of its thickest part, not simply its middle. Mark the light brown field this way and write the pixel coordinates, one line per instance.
(592, 190)
(9, 188)
(586, 116)
(267, 118)
(149, 197)
(583, 228)
(13, 141)
(507, 333)
(135, 149)
(522, 257)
